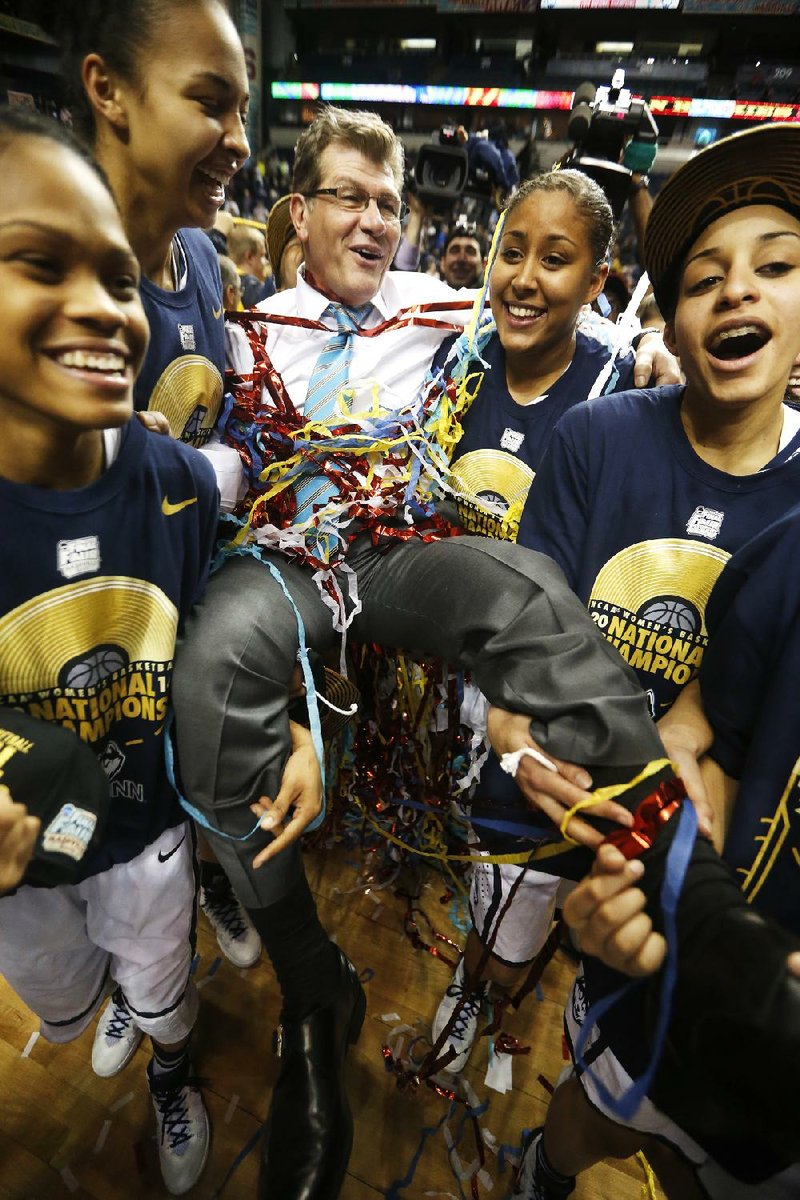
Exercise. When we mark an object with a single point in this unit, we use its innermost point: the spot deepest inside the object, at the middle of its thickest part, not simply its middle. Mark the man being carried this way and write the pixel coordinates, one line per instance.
(339, 362)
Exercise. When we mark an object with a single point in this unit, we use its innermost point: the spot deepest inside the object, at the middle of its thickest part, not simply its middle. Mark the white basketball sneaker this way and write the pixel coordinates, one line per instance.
(183, 1127)
(467, 1007)
(237, 936)
(116, 1038)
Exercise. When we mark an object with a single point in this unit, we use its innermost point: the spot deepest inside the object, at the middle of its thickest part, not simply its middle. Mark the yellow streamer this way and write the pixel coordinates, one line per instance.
(610, 793)
(518, 859)
(649, 1186)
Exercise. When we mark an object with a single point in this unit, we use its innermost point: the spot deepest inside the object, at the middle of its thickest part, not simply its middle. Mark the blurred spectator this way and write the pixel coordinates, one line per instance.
(462, 262)
(231, 285)
(617, 296)
(285, 250)
(650, 314)
(248, 249)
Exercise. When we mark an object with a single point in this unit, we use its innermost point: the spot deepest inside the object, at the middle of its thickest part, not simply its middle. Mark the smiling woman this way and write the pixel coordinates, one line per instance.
(75, 332)
(93, 587)
(160, 92)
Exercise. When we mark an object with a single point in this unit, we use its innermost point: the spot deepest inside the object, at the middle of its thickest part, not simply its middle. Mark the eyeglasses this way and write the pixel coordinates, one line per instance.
(356, 199)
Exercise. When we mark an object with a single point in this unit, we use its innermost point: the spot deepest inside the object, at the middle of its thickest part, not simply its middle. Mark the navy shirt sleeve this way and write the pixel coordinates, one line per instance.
(752, 613)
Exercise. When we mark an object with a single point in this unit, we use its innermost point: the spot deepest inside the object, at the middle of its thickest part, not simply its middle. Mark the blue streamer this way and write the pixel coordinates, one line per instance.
(312, 704)
(515, 828)
(674, 875)
(224, 552)
(246, 1149)
(394, 1189)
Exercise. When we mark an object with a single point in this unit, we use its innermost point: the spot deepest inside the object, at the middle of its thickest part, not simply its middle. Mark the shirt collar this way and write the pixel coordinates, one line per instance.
(311, 304)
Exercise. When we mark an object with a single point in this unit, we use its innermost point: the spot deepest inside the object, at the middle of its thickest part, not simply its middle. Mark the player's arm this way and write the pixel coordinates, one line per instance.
(654, 364)
(554, 789)
(687, 736)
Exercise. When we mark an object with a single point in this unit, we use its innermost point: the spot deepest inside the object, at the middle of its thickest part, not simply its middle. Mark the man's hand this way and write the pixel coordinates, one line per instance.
(155, 422)
(654, 364)
(555, 793)
(18, 833)
(606, 910)
(301, 790)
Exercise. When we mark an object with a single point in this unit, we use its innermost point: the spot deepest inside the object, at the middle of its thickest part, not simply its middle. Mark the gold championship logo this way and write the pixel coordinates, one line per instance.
(491, 489)
(189, 394)
(89, 654)
(649, 601)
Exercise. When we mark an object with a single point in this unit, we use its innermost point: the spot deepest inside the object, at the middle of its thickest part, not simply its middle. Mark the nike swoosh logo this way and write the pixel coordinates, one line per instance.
(174, 850)
(169, 509)
(217, 313)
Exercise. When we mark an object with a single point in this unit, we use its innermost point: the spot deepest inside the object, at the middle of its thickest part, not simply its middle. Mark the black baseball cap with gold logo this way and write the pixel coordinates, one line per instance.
(58, 778)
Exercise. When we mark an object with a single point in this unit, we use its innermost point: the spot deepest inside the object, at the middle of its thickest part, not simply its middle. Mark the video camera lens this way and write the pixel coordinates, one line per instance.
(581, 116)
(584, 94)
(579, 121)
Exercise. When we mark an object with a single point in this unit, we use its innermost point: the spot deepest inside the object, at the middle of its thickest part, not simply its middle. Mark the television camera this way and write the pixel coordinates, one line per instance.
(614, 137)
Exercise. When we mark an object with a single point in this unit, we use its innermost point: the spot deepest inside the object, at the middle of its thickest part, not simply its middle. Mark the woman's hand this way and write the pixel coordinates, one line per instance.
(155, 422)
(553, 792)
(606, 910)
(300, 791)
(654, 364)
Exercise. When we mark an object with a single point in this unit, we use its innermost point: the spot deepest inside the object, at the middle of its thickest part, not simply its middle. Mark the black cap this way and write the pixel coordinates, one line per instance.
(759, 166)
(59, 780)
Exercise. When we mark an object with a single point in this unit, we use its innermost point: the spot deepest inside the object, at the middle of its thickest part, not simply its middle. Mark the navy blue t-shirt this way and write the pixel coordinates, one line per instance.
(749, 684)
(504, 442)
(183, 371)
(748, 681)
(642, 526)
(94, 584)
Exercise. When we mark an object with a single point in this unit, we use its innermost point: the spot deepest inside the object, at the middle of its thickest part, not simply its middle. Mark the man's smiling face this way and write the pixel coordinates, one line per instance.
(347, 253)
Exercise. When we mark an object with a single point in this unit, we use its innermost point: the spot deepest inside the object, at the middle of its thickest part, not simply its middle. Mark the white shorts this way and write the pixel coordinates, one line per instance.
(523, 930)
(715, 1180)
(134, 922)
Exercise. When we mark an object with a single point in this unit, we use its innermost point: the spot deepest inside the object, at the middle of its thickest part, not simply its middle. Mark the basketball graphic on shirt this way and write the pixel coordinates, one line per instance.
(674, 612)
(77, 635)
(189, 394)
(649, 600)
(488, 483)
(88, 669)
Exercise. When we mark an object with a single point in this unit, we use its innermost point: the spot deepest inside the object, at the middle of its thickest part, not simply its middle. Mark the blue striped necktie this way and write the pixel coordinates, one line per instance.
(328, 380)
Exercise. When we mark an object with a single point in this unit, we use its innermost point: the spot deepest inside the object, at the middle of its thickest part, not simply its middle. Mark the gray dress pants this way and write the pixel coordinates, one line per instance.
(500, 611)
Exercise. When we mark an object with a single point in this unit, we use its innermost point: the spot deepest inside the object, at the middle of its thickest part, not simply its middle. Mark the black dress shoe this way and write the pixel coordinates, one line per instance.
(309, 1132)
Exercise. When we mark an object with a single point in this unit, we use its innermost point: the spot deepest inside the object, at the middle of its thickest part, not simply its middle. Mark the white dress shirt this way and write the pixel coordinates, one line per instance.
(396, 360)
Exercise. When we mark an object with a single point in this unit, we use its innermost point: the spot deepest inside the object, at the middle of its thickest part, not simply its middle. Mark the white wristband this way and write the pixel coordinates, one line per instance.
(510, 762)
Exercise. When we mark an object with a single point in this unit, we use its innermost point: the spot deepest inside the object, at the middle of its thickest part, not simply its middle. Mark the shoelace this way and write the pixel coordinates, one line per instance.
(174, 1112)
(469, 1007)
(227, 911)
(120, 1021)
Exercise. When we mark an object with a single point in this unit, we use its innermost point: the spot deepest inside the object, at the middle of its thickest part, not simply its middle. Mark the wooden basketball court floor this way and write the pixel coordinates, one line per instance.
(64, 1133)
